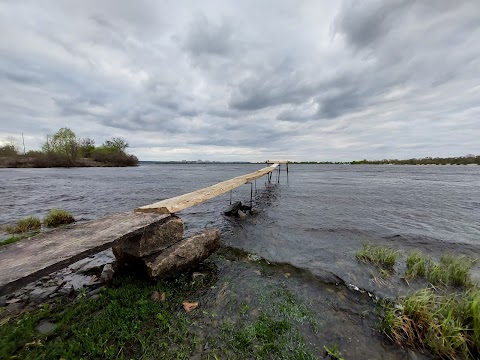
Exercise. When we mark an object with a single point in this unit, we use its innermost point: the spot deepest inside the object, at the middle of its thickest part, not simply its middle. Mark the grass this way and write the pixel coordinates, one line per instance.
(450, 270)
(57, 217)
(16, 238)
(333, 352)
(448, 324)
(274, 333)
(24, 225)
(125, 323)
(378, 255)
(122, 323)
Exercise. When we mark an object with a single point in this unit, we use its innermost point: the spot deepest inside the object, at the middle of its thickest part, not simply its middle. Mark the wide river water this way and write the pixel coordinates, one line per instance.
(315, 219)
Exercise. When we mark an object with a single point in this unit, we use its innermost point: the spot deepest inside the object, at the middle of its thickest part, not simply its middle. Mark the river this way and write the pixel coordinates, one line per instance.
(315, 219)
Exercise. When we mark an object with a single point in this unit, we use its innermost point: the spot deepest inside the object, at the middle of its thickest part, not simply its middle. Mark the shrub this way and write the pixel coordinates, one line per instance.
(378, 255)
(57, 217)
(25, 225)
(113, 156)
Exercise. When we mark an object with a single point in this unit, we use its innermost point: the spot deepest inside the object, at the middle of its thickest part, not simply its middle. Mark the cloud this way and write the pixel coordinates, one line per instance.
(246, 81)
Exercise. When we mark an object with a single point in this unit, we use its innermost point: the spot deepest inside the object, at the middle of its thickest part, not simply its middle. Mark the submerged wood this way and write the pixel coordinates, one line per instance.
(30, 259)
(174, 205)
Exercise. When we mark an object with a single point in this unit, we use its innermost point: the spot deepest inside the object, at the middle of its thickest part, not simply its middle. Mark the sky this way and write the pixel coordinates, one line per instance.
(245, 80)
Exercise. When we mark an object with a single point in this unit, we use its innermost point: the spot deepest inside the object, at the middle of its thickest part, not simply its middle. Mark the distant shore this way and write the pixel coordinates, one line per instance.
(33, 162)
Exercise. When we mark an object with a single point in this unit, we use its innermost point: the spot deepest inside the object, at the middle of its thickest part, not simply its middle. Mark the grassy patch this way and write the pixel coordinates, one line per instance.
(122, 323)
(274, 334)
(57, 217)
(448, 325)
(378, 255)
(16, 238)
(450, 270)
(24, 225)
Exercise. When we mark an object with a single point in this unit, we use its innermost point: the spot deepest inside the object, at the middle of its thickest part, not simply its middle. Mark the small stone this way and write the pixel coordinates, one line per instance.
(242, 214)
(13, 301)
(287, 275)
(94, 296)
(233, 208)
(107, 273)
(95, 291)
(40, 294)
(66, 290)
(46, 327)
(3, 301)
(15, 307)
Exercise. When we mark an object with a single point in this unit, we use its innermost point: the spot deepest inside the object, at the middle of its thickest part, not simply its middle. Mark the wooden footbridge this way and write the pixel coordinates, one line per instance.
(28, 260)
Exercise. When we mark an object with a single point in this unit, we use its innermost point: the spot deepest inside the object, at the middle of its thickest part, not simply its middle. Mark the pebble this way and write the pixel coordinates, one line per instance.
(45, 327)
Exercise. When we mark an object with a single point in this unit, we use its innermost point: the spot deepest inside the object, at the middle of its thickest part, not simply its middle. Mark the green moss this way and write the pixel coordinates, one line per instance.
(57, 217)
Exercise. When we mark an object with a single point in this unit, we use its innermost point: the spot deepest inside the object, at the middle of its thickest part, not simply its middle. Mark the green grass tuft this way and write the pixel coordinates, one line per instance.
(30, 223)
(57, 217)
(451, 270)
(378, 255)
(448, 325)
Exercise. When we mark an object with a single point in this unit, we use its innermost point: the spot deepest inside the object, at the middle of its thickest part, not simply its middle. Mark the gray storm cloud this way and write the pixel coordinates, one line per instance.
(228, 80)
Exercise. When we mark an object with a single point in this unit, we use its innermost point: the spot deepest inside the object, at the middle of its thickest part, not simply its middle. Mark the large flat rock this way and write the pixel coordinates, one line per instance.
(30, 259)
(183, 255)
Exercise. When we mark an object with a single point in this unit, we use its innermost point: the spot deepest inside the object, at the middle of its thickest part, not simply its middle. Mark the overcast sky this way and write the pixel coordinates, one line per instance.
(245, 80)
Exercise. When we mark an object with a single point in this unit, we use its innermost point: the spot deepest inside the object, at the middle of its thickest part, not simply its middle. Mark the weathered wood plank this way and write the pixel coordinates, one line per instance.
(174, 205)
(30, 259)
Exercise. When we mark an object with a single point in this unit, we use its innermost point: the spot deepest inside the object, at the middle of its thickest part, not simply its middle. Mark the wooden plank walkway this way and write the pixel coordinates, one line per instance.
(29, 259)
(174, 205)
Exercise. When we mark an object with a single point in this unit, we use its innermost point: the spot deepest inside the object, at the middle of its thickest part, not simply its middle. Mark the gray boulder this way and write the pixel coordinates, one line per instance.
(183, 255)
(152, 240)
(232, 210)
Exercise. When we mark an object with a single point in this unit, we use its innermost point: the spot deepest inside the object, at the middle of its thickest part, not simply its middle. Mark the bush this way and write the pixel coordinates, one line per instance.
(57, 217)
(113, 156)
(25, 225)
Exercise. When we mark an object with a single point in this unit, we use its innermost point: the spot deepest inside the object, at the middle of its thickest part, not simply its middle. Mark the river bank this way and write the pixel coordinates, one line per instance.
(36, 162)
(247, 308)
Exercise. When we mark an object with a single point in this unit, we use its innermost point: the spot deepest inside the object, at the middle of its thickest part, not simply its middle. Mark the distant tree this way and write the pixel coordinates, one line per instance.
(116, 143)
(11, 148)
(86, 146)
(63, 143)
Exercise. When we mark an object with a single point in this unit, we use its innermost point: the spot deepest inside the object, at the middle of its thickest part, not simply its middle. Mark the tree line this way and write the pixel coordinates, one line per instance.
(460, 160)
(64, 149)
